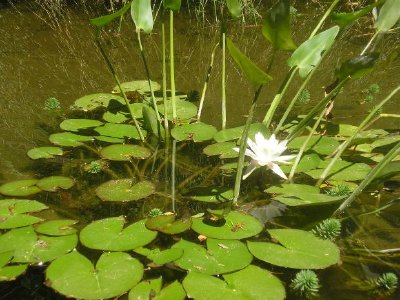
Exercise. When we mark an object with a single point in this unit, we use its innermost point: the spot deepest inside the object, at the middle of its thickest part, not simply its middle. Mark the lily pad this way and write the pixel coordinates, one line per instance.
(212, 194)
(297, 249)
(93, 101)
(124, 190)
(108, 139)
(20, 188)
(221, 256)
(57, 227)
(307, 162)
(184, 109)
(196, 132)
(78, 124)
(8, 273)
(53, 183)
(223, 149)
(167, 224)
(235, 133)
(119, 131)
(109, 234)
(125, 152)
(13, 212)
(141, 86)
(117, 117)
(44, 152)
(27, 247)
(68, 139)
(166, 256)
(342, 170)
(146, 289)
(75, 276)
(237, 226)
(321, 144)
(250, 283)
(173, 291)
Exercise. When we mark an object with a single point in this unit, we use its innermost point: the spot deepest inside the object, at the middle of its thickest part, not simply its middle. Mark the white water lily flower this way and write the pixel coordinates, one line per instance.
(266, 152)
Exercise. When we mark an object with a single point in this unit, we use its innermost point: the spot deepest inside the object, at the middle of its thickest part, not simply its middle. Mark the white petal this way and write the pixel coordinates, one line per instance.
(250, 168)
(275, 168)
(236, 149)
(260, 139)
(283, 158)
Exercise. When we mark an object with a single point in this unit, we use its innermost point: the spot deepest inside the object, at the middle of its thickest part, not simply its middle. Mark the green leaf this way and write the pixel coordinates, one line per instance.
(174, 291)
(20, 188)
(236, 132)
(223, 149)
(276, 26)
(146, 289)
(172, 4)
(167, 224)
(8, 273)
(319, 144)
(297, 249)
(78, 124)
(13, 212)
(140, 86)
(104, 20)
(308, 55)
(237, 225)
(68, 139)
(98, 100)
(124, 190)
(163, 257)
(125, 152)
(109, 234)
(388, 16)
(251, 283)
(57, 227)
(150, 122)
(44, 152)
(342, 170)
(197, 132)
(345, 19)
(221, 256)
(119, 131)
(212, 194)
(234, 8)
(185, 110)
(142, 15)
(75, 276)
(357, 67)
(253, 73)
(307, 162)
(53, 183)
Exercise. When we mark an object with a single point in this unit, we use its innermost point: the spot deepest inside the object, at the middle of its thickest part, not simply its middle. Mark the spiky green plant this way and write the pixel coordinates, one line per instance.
(374, 88)
(386, 284)
(154, 212)
(305, 284)
(94, 167)
(52, 103)
(304, 96)
(328, 229)
(340, 190)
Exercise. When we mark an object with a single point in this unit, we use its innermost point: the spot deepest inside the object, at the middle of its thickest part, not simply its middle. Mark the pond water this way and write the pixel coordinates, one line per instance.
(48, 50)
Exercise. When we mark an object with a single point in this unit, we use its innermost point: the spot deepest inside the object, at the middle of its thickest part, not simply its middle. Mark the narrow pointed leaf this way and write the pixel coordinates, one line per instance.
(104, 20)
(345, 19)
(357, 67)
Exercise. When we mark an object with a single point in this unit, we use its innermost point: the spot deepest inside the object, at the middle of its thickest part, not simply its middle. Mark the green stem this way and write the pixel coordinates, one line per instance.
(327, 13)
(172, 64)
(111, 68)
(369, 43)
(223, 82)
(173, 174)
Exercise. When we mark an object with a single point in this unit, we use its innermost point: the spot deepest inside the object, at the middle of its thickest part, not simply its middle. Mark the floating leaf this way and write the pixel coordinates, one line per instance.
(234, 7)
(78, 124)
(119, 131)
(44, 152)
(167, 224)
(250, 283)
(237, 226)
(20, 188)
(236, 132)
(197, 132)
(388, 16)
(221, 256)
(104, 20)
(53, 183)
(124, 190)
(307, 162)
(57, 227)
(253, 73)
(223, 149)
(8, 273)
(13, 212)
(108, 139)
(342, 170)
(184, 109)
(69, 139)
(163, 257)
(75, 276)
(116, 117)
(212, 194)
(142, 15)
(276, 26)
(146, 289)
(297, 249)
(27, 247)
(125, 152)
(173, 291)
(109, 234)
(320, 144)
(308, 55)
(357, 67)
(94, 101)
(140, 86)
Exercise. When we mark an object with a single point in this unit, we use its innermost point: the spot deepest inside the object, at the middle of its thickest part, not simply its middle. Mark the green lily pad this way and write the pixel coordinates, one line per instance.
(44, 152)
(297, 249)
(53, 183)
(342, 170)
(223, 149)
(27, 247)
(184, 109)
(196, 132)
(321, 144)
(237, 226)
(109, 234)
(212, 194)
(57, 227)
(125, 152)
(75, 276)
(119, 131)
(146, 289)
(124, 190)
(166, 256)
(250, 283)
(93, 101)
(173, 291)
(307, 162)
(167, 224)
(235, 133)
(301, 194)
(20, 188)
(68, 139)
(13, 212)
(8, 273)
(141, 86)
(221, 256)
(117, 117)
(78, 124)
(108, 139)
